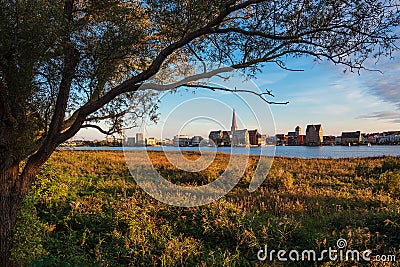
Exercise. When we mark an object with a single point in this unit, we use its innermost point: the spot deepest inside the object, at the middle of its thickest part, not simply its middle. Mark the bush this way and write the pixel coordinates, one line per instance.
(28, 234)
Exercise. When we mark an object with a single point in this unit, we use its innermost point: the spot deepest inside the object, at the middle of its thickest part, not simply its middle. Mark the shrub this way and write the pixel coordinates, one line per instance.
(28, 234)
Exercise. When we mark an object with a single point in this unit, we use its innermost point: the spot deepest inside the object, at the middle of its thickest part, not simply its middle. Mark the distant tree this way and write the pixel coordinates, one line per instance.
(67, 65)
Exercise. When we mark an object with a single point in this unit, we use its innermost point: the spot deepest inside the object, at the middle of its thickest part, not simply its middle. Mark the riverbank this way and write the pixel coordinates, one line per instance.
(86, 209)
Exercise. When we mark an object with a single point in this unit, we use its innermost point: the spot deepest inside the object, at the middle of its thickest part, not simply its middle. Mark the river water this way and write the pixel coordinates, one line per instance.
(283, 151)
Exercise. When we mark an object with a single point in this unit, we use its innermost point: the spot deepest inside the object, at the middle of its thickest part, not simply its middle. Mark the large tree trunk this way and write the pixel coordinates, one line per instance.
(10, 201)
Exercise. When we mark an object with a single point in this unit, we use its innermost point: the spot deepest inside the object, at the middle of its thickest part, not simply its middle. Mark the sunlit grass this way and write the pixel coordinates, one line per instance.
(89, 211)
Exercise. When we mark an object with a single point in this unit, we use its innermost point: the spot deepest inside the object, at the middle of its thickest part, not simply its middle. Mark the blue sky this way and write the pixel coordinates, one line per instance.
(340, 101)
(322, 93)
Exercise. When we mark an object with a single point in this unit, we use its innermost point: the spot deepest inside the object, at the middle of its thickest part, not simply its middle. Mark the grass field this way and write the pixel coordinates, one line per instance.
(86, 210)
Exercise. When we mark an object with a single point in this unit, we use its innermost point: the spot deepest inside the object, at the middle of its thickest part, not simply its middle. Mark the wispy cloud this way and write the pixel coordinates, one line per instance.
(393, 116)
(386, 87)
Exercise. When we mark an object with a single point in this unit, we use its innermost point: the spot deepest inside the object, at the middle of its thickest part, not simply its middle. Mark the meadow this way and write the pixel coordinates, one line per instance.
(86, 210)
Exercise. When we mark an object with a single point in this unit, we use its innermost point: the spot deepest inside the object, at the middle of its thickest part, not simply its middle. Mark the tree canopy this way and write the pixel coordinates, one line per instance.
(67, 64)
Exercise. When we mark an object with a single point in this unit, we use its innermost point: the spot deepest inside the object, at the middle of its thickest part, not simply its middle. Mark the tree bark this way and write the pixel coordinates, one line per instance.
(10, 202)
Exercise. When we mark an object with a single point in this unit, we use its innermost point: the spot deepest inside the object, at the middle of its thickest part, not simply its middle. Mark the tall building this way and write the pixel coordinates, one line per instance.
(298, 130)
(131, 141)
(314, 135)
(255, 137)
(239, 137)
(234, 125)
(140, 139)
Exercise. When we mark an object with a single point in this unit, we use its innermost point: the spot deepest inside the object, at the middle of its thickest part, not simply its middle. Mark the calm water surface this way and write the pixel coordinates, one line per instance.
(284, 151)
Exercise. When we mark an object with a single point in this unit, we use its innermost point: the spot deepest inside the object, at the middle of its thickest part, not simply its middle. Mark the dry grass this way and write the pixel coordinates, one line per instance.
(91, 212)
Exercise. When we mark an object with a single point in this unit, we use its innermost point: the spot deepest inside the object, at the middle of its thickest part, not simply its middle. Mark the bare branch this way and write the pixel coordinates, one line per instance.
(109, 116)
(282, 66)
(260, 95)
(109, 132)
(184, 81)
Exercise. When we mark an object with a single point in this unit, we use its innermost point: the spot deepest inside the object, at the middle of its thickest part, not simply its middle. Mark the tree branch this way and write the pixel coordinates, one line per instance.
(184, 81)
(109, 132)
(260, 95)
(110, 116)
(133, 84)
(70, 62)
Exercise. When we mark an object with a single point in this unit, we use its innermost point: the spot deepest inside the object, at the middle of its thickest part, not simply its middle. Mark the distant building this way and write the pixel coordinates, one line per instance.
(112, 141)
(168, 142)
(151, 141)
(234, 137)
(298, 130)
(280, 139)
(255, 138)
(140, 141)
(368, 139)
(314, 135)
(215, 137)
(329, 140)
(226, 138)
(196, 140)
(301, 139)
(391, 137)
(338, 140)
(351, 138)
(292, 139)
(239, 137)
(234, 125)
(161, 142)
(181, 140)
(131, 141)
(264, 139)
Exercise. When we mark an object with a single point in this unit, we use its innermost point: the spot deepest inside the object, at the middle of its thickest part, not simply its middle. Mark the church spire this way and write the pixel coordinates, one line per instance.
(234, 125)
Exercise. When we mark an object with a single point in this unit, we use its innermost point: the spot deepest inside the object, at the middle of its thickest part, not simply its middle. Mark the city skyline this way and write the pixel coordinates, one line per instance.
(302, 132)
(321, 94)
